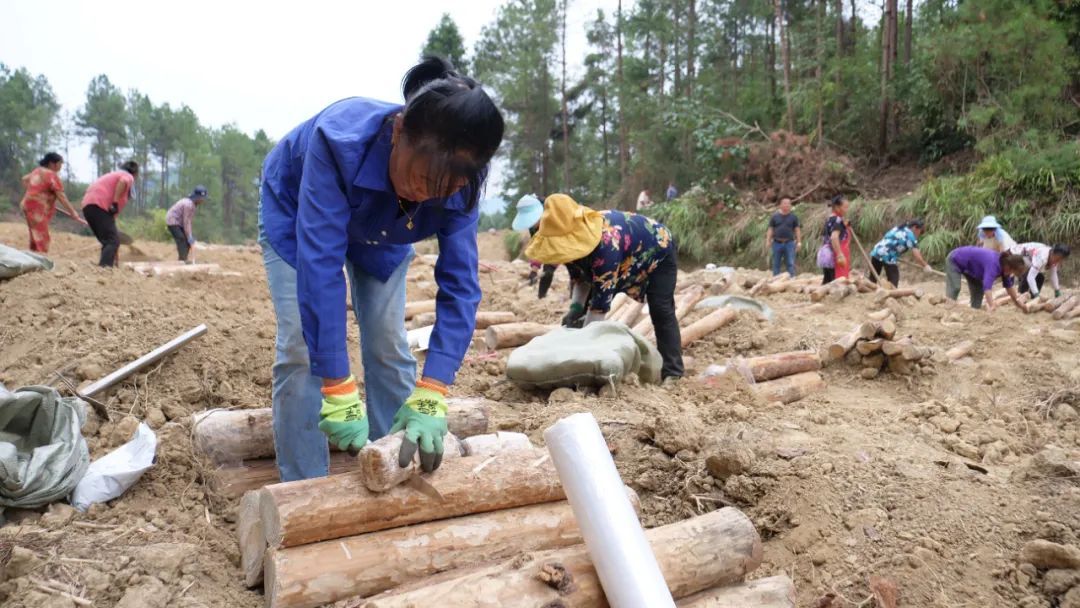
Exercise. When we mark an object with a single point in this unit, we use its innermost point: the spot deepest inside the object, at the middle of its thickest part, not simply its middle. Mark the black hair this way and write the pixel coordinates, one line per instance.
(131, 167)
(50, 158)
(446, 113)
(914, 222)
(837, 200)
(1061, 249)
(1013, 261)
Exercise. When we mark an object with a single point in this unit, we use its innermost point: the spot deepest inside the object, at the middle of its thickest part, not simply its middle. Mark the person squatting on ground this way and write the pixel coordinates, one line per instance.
(992, 236)
(982, 267)
(834, 255)
(527, 216)
(179, 219)
(43, 189)
(885, 256)
(355, 186)
(103, 201)
(1041, 259)
(783, 238)
(608, 252)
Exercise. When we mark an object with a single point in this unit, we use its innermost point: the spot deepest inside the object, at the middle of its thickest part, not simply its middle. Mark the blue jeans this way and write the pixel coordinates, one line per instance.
(389, 367)
(787, 250)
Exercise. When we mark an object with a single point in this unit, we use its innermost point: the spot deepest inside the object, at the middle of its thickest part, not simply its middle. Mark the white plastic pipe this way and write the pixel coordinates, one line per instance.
(623, 559)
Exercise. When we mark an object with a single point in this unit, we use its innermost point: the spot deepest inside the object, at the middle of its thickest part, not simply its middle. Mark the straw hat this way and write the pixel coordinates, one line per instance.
(568, 231)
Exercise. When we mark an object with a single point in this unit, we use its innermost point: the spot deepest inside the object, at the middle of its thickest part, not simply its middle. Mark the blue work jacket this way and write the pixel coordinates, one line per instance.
(327, 196)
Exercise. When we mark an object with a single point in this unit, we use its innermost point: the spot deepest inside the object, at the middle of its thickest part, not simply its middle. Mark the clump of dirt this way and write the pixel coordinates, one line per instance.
(935, 481)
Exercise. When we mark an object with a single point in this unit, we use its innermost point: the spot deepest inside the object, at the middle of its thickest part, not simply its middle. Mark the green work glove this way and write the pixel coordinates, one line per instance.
(423, 416)
(1057, 293)
(575, 317)
(343, 417)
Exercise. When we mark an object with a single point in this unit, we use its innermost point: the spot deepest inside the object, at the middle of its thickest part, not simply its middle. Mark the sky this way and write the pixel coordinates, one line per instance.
(268, 65)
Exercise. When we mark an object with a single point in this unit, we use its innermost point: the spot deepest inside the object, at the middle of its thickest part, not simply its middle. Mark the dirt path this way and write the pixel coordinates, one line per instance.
(866, 478)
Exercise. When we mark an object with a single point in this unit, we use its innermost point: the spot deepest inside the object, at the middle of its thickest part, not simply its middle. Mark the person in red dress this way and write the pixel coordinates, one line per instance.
(43, 189)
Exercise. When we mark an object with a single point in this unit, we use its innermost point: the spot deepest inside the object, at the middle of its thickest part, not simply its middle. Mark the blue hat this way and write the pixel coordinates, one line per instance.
(989, 222)
(529, 210)
(198, 192)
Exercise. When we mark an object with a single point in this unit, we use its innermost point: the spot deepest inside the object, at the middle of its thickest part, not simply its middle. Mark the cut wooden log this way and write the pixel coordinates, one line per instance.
(233, 481)
(423, 320)
(841, 291)
(878, 329)
(707, 324)
(1066, 307)
(779, 365)
(753, 291)
(960, 351)
(379, 461)
(868, 347)
(772, 592)
(696, 554)
(492, 443)
(841, 347)
(361, 566)
(869, 373)
(1053, 304)
(421, 306)
(866, 285)
(900, 365)
(689, 300)
(892, 348)
(513, 334)
(917, 292)
(790, 388)
(252, 539)
(879, 315)
(628, 314)
(313, 510)
(617, 303)
(633, 319)
(487, 318)
(874, 361)
(914, 352)
(230, 437)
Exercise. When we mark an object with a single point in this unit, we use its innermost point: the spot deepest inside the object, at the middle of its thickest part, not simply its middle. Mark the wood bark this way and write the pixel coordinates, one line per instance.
(772, 592)
(1053, 304)
(789, 115)
(690, 299)
(707, 324)
(620, 300)
(779, 365)
(818, 68)
(907, 32)
(887, 21)
(840, 348)
(869, 347)
(874, 361)
(492, 443)
(313, 510)
(879, 315)
(232, 436)
(361, 566)
(565, 112)
(694, 555)
(900, 293)
(620, 88)
(790, 388)
(252, 539)
(485, 319)
(960, 351)
(378, 461)
(513, 334)
(234, 481)
(895, 347)
(421, 306)
(1067, 307)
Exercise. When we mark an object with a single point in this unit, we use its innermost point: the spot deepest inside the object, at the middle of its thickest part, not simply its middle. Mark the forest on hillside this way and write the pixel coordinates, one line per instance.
(680, 91)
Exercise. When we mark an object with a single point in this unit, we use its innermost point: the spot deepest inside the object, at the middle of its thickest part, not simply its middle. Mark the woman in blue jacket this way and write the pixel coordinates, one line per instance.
(354, 187)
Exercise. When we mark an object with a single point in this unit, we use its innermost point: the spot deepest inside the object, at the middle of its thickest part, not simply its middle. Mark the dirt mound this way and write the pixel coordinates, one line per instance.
(935, 481)
(788, 165)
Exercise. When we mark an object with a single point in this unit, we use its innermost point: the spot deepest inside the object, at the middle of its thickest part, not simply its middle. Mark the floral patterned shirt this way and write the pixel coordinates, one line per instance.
(895, 242)
(631, 247)
(42, 187)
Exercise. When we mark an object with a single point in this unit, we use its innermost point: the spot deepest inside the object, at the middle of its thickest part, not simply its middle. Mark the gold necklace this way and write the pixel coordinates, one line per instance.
(409, 224)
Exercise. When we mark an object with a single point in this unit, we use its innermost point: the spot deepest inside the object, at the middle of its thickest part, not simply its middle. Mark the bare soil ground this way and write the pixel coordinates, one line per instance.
(865, 479)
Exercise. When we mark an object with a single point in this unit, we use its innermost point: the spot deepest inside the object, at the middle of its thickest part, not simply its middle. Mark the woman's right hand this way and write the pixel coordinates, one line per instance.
(841, 259)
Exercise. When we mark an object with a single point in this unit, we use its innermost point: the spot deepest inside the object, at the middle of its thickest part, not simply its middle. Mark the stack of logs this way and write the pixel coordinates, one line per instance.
(875, 346)
(625, 310)
(836, 290)
(1061, 308)
(490, 527)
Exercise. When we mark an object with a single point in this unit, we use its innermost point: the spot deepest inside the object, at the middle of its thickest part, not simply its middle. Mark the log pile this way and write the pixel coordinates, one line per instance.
(784, 377)
(490, 529)
(240, 443)
(876, 346)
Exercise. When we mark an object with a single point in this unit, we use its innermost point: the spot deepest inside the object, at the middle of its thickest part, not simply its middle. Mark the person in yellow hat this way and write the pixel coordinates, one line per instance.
(609, 252)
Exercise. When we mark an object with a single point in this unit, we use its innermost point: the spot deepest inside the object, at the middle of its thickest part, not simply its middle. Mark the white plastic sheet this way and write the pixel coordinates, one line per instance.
(420, 337)
(623, 559)
(112, 474)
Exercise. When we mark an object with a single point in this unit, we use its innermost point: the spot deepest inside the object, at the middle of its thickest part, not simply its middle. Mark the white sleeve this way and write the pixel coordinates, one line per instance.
(1033, 286)
(1054, 278)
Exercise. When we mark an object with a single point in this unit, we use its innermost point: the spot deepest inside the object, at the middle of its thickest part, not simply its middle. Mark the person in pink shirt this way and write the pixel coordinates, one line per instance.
(103, 201)
(179, 221)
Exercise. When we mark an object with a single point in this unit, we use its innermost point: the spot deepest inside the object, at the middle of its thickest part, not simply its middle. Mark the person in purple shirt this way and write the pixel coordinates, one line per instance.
(354, 187)
(982, 267)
